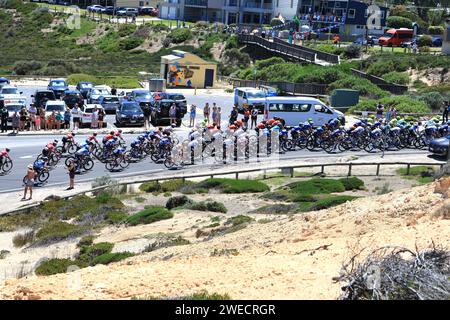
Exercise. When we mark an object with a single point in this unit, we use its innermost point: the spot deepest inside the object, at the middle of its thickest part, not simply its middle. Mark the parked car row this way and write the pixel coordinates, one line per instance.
(123, 11)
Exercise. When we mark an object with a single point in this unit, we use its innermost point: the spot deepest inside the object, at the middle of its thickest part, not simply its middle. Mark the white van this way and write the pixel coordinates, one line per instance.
(299, 109)
(249, 97)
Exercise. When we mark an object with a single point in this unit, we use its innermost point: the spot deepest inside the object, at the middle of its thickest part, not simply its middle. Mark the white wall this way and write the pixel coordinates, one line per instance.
(284, 7)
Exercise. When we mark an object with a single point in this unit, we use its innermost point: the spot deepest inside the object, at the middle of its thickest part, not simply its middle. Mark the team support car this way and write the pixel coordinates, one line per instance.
(84, 87)
(10, 94)
(440, 146)
(86, 116)
(58, 86)
(160, 112)
(72, 97)
(129, 113)
(40, 97)
(109, 103)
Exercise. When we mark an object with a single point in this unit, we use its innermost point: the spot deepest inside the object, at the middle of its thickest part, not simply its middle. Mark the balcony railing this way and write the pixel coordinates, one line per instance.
(198, 3)
(257, 5)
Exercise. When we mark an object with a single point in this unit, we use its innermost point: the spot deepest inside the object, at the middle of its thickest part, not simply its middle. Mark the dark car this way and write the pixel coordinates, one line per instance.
(72, 97)
(160, 112)
(4, 82)
(439, 146)
(436, 41)
(40, 97)
(109, 10)
(147, 11)
(109, 103)
(84, 88)
(143, 97)
(129, 113)
(58, 86)
(177, 97)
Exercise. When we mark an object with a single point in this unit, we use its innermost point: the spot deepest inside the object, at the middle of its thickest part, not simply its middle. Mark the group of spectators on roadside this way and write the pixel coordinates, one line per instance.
(37, 119)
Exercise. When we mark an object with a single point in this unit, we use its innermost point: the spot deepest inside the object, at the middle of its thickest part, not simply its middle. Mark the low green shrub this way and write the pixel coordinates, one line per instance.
(329, 202)
(233, 185)
(130, 43)
(149, 215)
(149, 187)
(180, 35)
(317, 186)
(403, 104)
(58, 230)
(174, 185)
(398, 22)
(126, 29)
(352, 183)
(364, 86)
(21, 239)
(213, 206)
(86, 241)
(277, 209)
(239, 220)
(54, 266)
(177, 201)
(397, 77)
(425, 41)
(116, 217)
(108, 258)
(352, 51)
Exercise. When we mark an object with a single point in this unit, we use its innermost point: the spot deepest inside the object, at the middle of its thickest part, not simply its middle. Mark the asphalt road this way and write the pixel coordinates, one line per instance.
(25, 149)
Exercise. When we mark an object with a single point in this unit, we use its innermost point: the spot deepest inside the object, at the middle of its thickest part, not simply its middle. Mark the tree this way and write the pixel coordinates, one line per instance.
(398, 22)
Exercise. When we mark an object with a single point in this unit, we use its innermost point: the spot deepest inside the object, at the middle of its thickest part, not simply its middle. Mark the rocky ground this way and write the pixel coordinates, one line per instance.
(276, 257)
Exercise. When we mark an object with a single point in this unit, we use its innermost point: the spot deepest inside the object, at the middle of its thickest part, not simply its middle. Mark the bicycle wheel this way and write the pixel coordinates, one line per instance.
(88, 164)
(124, 164)
(72, 148)
(169, 163)
(110, 165)
(69, 159)
(7, 165)
(43, 176)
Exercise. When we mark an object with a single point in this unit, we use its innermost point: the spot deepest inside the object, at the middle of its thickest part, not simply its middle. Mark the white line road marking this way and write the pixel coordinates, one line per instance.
(26, 157)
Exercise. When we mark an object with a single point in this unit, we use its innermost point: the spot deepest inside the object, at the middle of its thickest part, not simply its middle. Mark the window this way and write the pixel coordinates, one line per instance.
(337, 4)
(289, 107)
(321, 108)
(351, 13)
(141, 3)
(404, 35)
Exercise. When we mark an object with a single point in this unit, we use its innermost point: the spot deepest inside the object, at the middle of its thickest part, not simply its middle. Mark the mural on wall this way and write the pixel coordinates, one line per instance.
(181, 75)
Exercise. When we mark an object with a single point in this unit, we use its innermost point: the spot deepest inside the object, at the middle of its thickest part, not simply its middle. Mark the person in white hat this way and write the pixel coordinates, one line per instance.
(29, 182)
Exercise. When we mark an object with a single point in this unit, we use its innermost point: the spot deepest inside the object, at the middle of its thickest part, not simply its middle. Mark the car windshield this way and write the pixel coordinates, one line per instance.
(54, 107)
(10, 91)
(256, 95)
(387, 35)
(176, 97)
(13, 107)
(58, 83)
(86, 85)
(72, 95)
(100, 91)
(142, 94)
(130, 107)
(110, 99)
(48, 95)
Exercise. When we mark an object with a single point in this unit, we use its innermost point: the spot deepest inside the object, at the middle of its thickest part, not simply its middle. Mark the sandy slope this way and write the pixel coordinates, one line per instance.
(272, 262)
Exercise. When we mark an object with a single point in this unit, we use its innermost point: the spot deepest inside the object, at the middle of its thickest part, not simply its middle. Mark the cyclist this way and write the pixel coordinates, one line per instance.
(80, 154)
(4, 154)
(108, 137)
(67, 139)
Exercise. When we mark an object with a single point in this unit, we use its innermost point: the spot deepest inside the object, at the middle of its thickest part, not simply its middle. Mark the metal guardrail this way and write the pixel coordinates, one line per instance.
(288, 87)
(283, 49)
(237, 172)
(383, 84)
(324, 56)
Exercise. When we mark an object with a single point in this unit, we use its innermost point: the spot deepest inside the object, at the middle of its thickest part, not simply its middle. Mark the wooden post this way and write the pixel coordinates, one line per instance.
(349, 169)
(322, 170)
(378, 169)
(237, 175)
(264, 174)
(408, 168)
(292, 172)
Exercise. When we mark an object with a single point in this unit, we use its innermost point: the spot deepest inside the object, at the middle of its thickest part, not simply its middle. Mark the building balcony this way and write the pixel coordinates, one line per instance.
(196, 3)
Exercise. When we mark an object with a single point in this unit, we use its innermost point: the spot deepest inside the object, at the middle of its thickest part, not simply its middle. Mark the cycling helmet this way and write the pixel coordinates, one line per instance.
(232, 127)
(7, 149)
(261, 126)
(271, 121)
